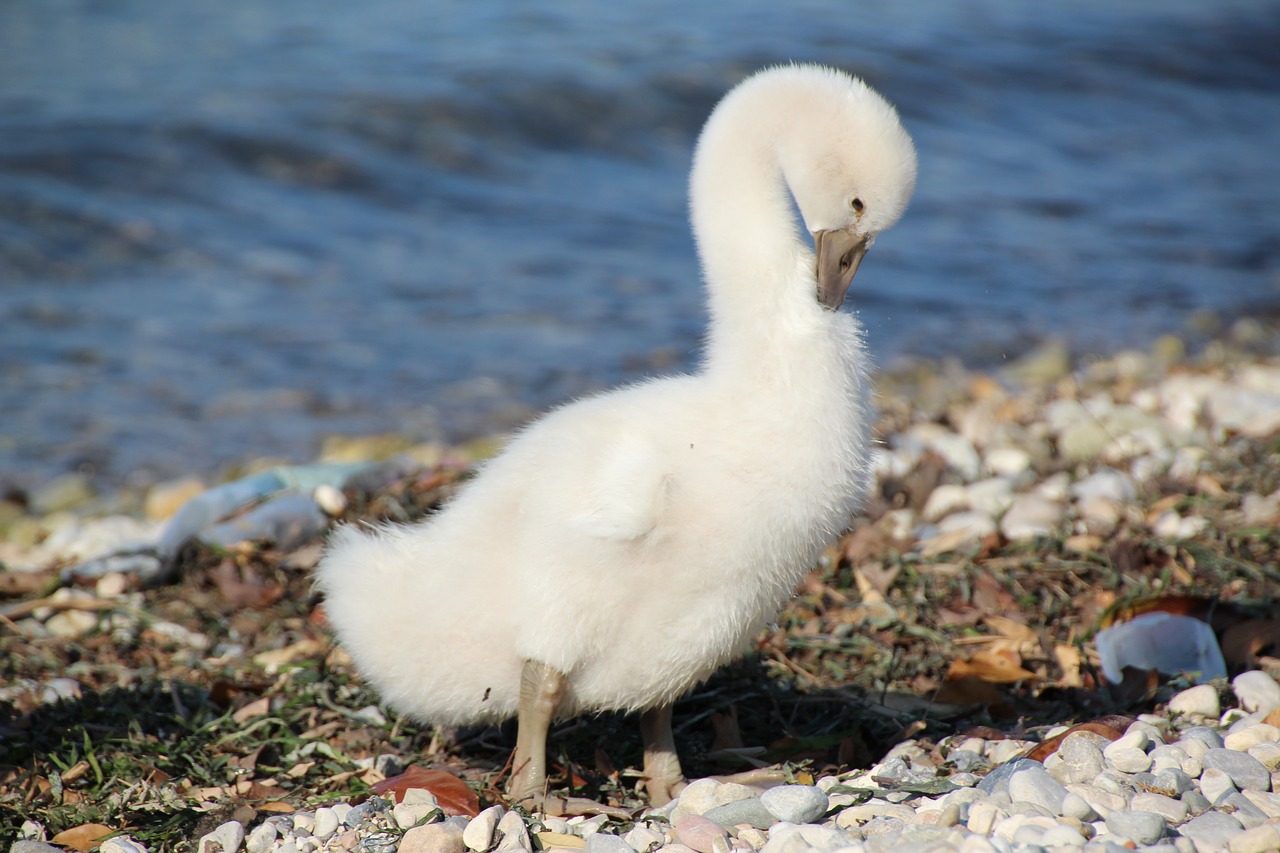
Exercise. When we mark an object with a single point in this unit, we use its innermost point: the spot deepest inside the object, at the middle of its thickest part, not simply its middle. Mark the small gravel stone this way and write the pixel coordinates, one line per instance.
(1215, 783)
(1244, 770)
(983, 817)
(1243, 809)
(702, 795)
(479, 833)
(998, 779)
(752, 812)
(1202, 734)
(1211, 831)
(121, 844)
(604, 843)
(1244, 739)
(26, 845)
(512, 833)
(1259, 839)
(1268, 754)
(643, 839)
(1173, 811)
(699, 833)
(1031, 783)
(433, 838)
(1075, 806)
(795, 803)
(1173, 780)
(1140, 827)
(262, 837)
(405, 814)
(226, 838)
(1201, 701)
(1256, 691)
(1081, 757)
(1196, 802)
(1130, 760)
(326, 822)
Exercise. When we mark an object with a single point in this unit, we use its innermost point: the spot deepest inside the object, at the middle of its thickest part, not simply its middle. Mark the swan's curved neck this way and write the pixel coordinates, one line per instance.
(753, 256)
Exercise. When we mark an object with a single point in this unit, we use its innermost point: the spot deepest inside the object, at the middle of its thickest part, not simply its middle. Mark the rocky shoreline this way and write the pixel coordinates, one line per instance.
(1021, 514)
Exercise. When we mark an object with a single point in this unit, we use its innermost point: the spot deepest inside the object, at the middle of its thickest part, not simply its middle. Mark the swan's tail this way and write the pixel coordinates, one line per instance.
(418, 625)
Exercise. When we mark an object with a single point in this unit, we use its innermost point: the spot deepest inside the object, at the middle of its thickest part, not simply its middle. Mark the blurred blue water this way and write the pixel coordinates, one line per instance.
(229, 228)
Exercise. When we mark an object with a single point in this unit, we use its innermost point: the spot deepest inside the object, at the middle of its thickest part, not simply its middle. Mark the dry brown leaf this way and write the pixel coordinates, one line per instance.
(990, 596)
(272, 660)
(994, 666)
(241, 587)
(968, 691)
(1069, 660)
(1111, 728)
(1243, 643)
(868, 542)
(277, 806)
(1011, 628)
(83, 837)
(454, 796)
(256, 708)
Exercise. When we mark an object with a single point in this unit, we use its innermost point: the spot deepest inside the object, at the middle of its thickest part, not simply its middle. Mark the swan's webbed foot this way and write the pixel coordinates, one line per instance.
(550, 804)
(663, 777)
(761, 778)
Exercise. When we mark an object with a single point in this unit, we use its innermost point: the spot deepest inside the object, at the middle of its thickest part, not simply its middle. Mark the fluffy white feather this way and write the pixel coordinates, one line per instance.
(636, 540)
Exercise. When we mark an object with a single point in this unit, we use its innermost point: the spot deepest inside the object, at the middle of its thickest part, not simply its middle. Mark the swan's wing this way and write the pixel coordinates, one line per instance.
(625, 493)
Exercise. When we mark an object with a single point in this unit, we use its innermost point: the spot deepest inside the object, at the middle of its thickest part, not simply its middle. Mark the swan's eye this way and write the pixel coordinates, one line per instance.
(857, 205)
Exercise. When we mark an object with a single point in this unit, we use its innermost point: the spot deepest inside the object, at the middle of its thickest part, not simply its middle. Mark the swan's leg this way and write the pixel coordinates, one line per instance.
(663, 778)
(542, 689)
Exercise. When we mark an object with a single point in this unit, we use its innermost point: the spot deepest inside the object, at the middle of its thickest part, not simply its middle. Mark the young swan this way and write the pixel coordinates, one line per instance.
(626, 545)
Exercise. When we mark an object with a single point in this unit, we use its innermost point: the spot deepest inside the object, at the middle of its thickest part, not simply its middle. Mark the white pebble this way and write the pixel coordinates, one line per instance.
(225, 839)
(479, 833)
(262, 838)
(326, 822)
(121, 844)
(1201, 701)
(1256, 691)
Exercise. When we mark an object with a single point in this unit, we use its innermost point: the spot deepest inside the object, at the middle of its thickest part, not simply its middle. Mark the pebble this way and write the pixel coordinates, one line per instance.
(433, 838)
(326, 823)
(1031, 515)
(119, 844)
(1201, 701)
(1142, 828)
(1256, 691)
(1250, 736)
(1245, 771)
(479, 833)
(1212, 830)
(642, 839)
(1031, 783)
(749, 811)
(225, 839)
(262, 837)
(512, 833)
(795, 803)
(699, 833)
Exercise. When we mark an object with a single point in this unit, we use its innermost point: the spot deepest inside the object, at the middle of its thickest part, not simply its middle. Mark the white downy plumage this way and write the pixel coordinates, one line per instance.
(635, 540)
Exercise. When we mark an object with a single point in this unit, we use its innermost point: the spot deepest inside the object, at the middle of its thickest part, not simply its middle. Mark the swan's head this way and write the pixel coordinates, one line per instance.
(848, 163)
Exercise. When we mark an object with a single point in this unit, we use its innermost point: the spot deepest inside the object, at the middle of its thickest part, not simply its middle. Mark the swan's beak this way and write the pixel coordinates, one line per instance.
(839, 253)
